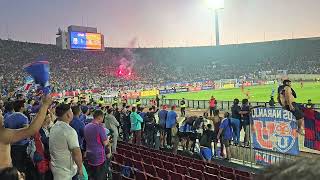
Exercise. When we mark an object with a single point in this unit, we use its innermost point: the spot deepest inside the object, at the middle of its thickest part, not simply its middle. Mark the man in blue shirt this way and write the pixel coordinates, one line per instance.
(18, 120)
(225, 130)
(78, 125)
(162, 122)
(171, 123)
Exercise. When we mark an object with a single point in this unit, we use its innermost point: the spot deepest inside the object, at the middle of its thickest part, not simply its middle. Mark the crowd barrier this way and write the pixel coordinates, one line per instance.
(198, 104)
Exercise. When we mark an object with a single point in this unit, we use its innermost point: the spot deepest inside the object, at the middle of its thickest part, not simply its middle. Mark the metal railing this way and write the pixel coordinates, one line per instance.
(198, 104)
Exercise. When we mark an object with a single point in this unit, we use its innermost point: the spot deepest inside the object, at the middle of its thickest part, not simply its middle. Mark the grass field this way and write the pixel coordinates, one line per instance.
(310, 90)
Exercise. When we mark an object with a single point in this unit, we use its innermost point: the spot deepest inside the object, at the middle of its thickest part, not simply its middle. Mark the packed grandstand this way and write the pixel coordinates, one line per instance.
(71, 70)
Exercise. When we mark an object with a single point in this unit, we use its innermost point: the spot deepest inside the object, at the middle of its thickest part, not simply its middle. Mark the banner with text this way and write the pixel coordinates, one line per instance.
(275, 130)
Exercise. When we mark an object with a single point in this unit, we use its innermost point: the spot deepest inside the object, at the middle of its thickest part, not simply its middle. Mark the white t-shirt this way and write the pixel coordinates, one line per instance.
(63, 138)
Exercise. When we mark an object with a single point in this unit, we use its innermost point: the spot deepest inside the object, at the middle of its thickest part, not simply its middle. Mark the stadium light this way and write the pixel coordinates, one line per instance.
(216, 5)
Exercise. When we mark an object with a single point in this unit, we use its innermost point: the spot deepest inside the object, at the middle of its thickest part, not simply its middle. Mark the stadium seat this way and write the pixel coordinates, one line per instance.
(128, 161)
(212, 170)
(198, 166)
(120, 151)
(242, 173)
(162, 173)
(140, 175)
(227, 175)
(226, 169)
(150, 177)
(239, 177)
(185, 163)
(208, 176)
(115, 166)
(181, 169)
(150, 169)
(138, 165)
(162, 157)
(189, 178)
(175, 176)
(126, 178)
(213, 165)
(147, 159)
(157, 162)
(137, 157)
(128, 154)
(168, 165)
(116, 175)
(196, 173)
(118, 158)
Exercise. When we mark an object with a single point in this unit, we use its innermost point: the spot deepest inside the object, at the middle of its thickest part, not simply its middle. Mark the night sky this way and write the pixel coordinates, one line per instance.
(161, 23)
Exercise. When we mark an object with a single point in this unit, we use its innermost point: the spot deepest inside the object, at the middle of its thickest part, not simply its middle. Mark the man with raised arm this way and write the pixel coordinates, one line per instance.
(10, 136)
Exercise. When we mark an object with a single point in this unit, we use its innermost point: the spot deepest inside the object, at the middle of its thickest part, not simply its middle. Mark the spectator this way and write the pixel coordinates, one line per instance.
(205, 143)
(18, 120)
(78, 125)
(171, 122)
(66, 158)
(97, 140)
(150, 128)
(212, 105)
(245, 120)
(225, 132)
(112, 124)
(136, 121)
(162, 122)
(10, 136)
(183, 107)
(235, 110)
(287, 98)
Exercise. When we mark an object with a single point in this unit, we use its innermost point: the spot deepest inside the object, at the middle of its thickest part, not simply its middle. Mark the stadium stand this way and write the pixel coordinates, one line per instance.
(71, 70)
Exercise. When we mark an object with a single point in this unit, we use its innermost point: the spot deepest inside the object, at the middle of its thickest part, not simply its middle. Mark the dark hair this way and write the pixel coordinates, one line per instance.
(18, 104)
(76, 110)
(209, 126)
(236, 101)
(245, 101)
(133, 109)
(109, 111)
(227, 115)
(150, 109)
(8, 106)
(62, 109)
(9, 173)
(97, 113)
(172, 107)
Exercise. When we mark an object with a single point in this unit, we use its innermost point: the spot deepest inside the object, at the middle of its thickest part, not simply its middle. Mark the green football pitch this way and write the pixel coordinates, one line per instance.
(310, 90)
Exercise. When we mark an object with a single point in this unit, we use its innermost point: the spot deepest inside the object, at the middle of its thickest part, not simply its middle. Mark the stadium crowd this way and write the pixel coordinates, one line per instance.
(71, 70)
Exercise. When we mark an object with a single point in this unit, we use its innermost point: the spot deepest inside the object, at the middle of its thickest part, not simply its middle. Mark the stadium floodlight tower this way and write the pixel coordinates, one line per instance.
(216, 5)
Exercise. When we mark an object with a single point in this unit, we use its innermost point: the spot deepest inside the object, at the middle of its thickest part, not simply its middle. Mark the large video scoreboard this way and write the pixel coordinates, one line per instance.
(80, 38)
(85, 40)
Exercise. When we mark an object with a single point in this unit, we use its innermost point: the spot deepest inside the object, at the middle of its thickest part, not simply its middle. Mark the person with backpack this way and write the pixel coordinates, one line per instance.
(225, 132)
(206, 144)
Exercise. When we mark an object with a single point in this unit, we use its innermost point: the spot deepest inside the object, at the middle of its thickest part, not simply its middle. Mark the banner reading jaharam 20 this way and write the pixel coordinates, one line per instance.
(149, 93)
(275, 130)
